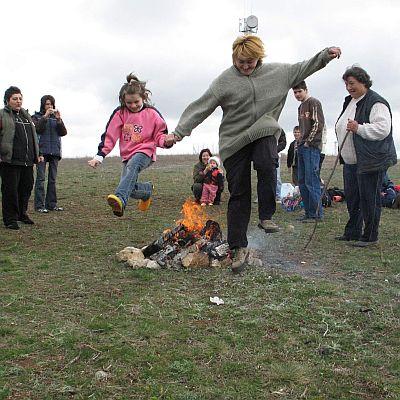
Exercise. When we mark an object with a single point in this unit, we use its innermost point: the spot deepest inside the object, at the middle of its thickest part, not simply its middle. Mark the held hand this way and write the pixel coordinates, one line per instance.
(169, 140)
(93, 163)
(177, 138)
(352, 126)
(334, 52)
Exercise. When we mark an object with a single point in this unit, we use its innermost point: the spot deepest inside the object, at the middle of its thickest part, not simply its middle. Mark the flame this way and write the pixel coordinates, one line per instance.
(194, 217)
(210, 233)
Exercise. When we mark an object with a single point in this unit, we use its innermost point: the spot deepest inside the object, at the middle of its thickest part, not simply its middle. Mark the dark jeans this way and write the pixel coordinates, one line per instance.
(321, 160)
(16, 188)
(363, 197)
(295, 180)
(197, 189)
(263, 154)
(309, 183)
(48, 200)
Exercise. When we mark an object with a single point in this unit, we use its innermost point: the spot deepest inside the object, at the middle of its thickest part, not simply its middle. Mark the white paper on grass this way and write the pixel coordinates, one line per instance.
(216, 300)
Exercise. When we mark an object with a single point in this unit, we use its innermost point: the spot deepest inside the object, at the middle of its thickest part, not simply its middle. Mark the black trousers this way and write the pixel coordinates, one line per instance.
(263, 153)
(16, 188)
(363, 197)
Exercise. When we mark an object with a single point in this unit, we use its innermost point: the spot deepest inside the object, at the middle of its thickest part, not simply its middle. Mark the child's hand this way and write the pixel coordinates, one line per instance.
(94, 163)
(169, 140)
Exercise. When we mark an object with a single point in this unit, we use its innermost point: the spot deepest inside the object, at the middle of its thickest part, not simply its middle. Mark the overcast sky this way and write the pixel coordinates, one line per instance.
(81, 51)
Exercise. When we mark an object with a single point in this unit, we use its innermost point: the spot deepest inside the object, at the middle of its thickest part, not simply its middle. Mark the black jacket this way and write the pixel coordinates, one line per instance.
(281, 141)
(292, 155)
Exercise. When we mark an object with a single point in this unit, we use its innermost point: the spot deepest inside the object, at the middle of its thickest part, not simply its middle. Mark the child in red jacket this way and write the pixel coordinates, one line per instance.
(213, 180)
(140, 129)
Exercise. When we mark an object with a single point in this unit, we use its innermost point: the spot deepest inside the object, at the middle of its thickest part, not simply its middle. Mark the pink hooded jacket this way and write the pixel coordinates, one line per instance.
(142, 132)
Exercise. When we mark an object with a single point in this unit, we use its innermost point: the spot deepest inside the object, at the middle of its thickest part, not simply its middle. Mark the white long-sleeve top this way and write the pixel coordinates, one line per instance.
(377, 129)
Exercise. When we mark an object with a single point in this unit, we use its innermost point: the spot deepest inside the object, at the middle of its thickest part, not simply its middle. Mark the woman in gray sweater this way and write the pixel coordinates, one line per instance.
(251, 95)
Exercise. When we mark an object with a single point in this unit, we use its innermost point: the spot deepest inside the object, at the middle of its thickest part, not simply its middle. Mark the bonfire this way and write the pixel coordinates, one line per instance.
(195, 241)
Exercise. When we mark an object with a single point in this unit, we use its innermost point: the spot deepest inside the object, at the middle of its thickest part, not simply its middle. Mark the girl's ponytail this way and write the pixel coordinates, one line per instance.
(131, 78)
(133, 86)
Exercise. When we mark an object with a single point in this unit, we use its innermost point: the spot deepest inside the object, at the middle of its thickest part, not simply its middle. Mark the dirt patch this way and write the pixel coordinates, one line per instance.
(277, 255)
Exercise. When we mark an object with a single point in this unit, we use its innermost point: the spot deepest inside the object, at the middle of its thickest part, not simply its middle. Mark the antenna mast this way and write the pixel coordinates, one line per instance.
(248, 25)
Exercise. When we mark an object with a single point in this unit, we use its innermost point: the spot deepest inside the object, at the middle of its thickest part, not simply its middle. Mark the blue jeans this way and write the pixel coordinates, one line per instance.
(278, 180)
(48, 200)
(309, 183)
(128, 185)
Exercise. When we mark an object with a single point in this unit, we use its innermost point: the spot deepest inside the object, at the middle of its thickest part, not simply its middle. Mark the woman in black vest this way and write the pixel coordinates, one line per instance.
(18, 152)
(367, 153)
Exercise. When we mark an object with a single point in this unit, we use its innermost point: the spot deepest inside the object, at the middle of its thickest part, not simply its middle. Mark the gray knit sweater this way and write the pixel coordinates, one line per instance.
(251, 105)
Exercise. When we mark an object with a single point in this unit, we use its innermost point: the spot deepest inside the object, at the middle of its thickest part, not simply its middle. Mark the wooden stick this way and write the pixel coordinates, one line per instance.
(324, 191)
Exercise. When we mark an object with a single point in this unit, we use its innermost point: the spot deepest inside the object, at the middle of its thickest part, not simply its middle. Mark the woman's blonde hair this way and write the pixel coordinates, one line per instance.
(248, 46)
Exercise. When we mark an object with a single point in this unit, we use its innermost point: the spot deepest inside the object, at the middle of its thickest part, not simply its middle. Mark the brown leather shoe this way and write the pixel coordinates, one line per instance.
(240, 256)
(268, 226)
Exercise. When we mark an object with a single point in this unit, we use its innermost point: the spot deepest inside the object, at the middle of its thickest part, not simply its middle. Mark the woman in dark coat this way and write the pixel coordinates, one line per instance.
(19, 150)
(50, 128)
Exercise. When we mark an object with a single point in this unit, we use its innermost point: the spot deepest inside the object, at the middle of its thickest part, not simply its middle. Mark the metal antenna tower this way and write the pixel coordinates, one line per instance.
(248, 25)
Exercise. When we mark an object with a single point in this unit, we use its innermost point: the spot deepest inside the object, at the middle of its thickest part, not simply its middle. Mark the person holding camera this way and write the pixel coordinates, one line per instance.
(50, 128)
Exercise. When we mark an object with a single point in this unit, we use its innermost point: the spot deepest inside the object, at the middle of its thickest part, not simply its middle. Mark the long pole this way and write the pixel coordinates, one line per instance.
(325, 189)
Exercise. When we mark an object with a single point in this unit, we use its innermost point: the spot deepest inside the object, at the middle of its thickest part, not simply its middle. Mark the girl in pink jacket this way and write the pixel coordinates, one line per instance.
(140, 129)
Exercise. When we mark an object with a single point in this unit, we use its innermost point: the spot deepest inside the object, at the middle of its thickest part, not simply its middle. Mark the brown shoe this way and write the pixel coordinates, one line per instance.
(239, 258)
(268, 226)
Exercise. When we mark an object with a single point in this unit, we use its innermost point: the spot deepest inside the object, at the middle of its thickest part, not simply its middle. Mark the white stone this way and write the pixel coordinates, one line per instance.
(101, 375)
(137, 263)
(151, 264)
(130, 253)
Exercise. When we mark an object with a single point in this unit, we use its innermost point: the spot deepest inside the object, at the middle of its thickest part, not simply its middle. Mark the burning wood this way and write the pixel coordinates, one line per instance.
(195, 235)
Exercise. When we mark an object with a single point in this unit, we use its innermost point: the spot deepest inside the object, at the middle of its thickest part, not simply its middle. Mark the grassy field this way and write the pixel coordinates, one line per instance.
(76, 324)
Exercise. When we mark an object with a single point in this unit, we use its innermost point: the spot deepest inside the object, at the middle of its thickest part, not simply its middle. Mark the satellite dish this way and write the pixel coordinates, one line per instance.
(252, 21)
